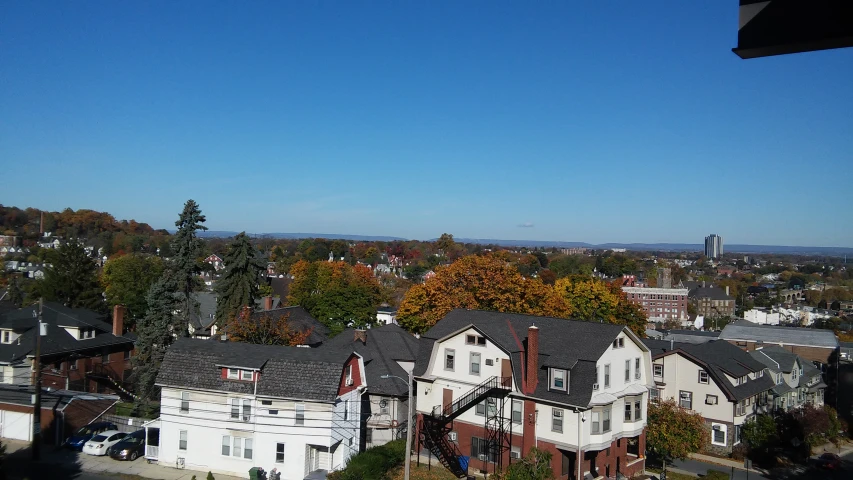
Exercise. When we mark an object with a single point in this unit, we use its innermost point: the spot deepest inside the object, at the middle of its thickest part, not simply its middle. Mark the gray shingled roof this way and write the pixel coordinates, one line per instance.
(719, 358)
(743, 330)
(385, 346)
(713, 293)
(58, 341)
(286, 372)
(775, 358)
(570, 344)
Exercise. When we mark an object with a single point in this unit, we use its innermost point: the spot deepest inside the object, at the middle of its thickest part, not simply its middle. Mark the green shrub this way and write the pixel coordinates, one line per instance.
(210, 475)
(373, 463)
(716, 475)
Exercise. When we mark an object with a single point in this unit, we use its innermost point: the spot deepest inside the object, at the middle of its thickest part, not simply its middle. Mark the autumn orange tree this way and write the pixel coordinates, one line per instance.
(485, 282)
(265, 328)
(674, 432)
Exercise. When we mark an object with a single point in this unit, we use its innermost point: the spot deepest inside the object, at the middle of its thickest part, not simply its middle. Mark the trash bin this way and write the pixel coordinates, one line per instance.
(253, 473)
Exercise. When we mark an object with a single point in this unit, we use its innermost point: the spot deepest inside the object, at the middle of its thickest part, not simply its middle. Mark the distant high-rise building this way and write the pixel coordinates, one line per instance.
(713, 246)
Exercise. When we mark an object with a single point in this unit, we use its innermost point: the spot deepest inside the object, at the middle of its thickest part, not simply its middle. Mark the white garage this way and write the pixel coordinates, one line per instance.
(16, 425)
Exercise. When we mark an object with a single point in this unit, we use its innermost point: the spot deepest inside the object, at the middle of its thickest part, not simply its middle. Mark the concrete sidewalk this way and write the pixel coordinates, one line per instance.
(64, 463)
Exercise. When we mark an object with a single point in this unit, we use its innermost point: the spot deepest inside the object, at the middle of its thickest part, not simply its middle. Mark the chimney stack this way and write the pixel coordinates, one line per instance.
(532, 358)
(268, 303)
(360, 335)
(118, 320)
(703, 283)
(727, 290)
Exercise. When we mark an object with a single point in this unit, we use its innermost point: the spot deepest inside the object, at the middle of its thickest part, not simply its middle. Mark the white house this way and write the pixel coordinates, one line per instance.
(716, 379)
(761, 316)
(389, 354)
(796, 380)
(386, 315)
(227, 407)
(492, 385)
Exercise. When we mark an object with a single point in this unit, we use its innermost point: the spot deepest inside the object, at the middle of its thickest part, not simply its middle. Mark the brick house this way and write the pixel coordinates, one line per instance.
(80, 352)
(492, 385)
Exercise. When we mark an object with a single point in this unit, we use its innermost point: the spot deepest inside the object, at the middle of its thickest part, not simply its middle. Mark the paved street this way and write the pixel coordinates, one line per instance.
(798, 472)
(68, 464)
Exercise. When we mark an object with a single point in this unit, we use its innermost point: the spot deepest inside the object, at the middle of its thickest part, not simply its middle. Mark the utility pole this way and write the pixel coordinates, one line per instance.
(36, 443)
(410, 430)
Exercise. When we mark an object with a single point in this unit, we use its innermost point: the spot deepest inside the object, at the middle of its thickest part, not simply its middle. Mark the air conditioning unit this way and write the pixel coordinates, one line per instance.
(482, 457)
(595, 386)
(452, 436)
(489, 362)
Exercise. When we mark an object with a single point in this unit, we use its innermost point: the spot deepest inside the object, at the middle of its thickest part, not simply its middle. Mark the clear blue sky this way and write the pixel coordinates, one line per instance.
(576, 121)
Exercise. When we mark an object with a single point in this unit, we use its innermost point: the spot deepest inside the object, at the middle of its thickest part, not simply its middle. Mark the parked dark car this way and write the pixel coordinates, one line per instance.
(130, 447)
(84, 434)
(829, 461)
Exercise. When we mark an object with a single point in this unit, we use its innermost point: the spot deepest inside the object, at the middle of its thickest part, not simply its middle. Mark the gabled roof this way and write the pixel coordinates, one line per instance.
(568, 344)
(58, 341)
(775, 358)
(384, 348)
(749, 332)
(286, 372)
(719, 358)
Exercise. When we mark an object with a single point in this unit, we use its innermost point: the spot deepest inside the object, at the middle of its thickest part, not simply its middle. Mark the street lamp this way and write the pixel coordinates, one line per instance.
(408, 423)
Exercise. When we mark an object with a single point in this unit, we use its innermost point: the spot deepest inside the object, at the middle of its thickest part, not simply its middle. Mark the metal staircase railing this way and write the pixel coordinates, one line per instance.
(435, 427)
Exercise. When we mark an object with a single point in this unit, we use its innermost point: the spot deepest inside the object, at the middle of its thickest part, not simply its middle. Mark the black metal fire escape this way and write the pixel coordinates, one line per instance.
(436, 426)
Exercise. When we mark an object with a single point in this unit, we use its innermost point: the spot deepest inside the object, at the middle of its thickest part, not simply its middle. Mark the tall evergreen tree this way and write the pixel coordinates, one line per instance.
(16, 295)
(238, 286)
(73, 279)
(185, 267)
(156, 331)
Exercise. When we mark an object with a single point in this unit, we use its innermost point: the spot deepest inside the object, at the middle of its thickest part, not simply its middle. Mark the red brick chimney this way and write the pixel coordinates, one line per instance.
(268, 303)
(360, 335)
(118, 320)
(532, 358)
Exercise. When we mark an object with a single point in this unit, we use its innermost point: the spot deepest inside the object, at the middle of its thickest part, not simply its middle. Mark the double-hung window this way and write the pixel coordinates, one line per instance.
(637, 368)
(185, 402)
(300, 414)
(638, 410)
(685, 399)
(279, 452)
(238, 447)
(658, 369)
(627, 371)
(703, 377)
(449, 359)
(247, 410)
(517, 411)
(182, 440)
(558, 379)
(628, 410)
(557, 420)
(235, 408)
(605, 419)
(606, 376)
(475, 364)
(596, 422)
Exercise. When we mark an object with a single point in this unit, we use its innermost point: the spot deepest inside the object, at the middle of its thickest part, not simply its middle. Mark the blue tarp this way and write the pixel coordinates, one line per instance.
(463, 462)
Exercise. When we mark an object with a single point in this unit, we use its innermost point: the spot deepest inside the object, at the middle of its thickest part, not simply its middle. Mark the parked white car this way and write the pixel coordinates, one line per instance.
(99, 444)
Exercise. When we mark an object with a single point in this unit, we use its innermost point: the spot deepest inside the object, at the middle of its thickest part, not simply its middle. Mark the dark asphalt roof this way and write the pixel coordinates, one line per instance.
(385, 346)
(747, 331)
(58, 341)
(713, 293)
(569, 344)
(299, 319)
(719, 358)
(286, 372)
(776, 358)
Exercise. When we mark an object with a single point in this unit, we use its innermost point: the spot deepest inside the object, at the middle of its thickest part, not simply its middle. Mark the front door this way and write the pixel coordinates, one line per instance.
(447, 399)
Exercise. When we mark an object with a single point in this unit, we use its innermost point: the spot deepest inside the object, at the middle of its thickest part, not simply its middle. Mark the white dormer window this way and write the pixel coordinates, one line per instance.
(238, 374)
(559, 379)
(7, 336)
